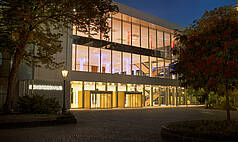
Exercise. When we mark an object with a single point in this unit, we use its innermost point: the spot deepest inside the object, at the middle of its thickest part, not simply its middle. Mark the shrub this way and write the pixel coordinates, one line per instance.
(38, 104)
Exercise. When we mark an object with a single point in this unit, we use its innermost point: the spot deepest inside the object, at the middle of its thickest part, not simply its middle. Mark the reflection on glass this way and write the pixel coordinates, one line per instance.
(127, 63)
(135, 64)
(108, 38)
(135, 35)
(145, 65)
(82, 58)
(152, 39)
(116, 31)
(126, 33)
(144, 37)
(94, 59)
(116, 62)
(105, 61)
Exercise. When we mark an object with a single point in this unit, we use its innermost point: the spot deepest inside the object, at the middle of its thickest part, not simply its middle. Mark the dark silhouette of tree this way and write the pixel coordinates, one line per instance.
(41, 23)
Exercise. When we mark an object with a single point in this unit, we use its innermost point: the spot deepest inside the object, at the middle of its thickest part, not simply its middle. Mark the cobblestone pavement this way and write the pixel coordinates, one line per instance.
(142, 125)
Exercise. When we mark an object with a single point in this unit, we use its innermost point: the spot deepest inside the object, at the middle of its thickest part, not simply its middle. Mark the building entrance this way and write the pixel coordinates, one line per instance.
(101, 99)
(133, 99)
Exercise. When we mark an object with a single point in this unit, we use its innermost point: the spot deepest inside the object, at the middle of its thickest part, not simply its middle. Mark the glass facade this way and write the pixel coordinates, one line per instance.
(133, 47)
(118, 95)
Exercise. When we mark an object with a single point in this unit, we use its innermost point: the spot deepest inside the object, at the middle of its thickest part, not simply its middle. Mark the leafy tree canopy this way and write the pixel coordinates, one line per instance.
(25, 24)
(208, 51)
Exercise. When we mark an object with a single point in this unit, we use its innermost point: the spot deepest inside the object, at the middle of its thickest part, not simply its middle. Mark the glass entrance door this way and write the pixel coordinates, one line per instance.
(133, 99)
(101, 99)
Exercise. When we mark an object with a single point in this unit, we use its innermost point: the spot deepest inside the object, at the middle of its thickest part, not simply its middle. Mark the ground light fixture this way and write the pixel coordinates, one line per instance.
(64, 74)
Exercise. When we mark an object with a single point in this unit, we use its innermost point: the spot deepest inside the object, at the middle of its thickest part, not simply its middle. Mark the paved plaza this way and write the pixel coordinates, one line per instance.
(142, 125)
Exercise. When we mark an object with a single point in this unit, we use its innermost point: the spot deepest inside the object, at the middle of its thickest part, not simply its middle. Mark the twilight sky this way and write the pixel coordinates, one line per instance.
(181, 12)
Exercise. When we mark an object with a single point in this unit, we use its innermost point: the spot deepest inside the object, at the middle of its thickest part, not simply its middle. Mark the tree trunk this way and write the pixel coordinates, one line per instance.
(228, 115)
(10, 104)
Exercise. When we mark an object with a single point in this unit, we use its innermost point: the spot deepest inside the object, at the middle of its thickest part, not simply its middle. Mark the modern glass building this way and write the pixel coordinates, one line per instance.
(130, 68)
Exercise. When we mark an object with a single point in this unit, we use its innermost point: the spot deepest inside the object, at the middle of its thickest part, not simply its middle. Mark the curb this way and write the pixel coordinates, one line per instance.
(58, 121)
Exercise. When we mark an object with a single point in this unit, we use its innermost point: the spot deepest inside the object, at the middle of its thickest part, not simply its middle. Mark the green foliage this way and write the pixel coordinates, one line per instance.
(38, 104)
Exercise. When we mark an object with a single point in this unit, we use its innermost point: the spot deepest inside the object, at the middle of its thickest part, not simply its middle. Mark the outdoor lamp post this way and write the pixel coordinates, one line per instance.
(64, 74)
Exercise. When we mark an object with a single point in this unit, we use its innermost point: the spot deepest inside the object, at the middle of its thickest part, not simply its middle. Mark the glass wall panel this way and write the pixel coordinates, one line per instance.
(81, 32)
(139, 88)
(160, 40)
(94, 59)
(153, 66)
(126, 18)
(82, 58)
(160, 67)
(94, 34)
(76, 97)
(111, 87)
(116, 31)
(116, 62)
(144, 37)
(145, 66)
(108, 38)
(147, 95)
(89, 86)
(156, 96)
(152, 39)
(135, 64)
(131, 87)
(121, 87)
(136, 35)
(126, 33)
(167, 39)
(100, 86)
(74, 30)
(127, 63)
(167, 71)
(73, 56)
(105, 61)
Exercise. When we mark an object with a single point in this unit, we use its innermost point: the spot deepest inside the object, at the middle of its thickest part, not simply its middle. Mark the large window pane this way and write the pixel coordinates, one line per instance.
(152, 39)
(94, 59)
(145, 65)
(135, 64)
(127, 63)
(135, 35)
(126, 33)
(116, 31)
(167, 39)
(105, 61)
(73, 56)
(116, 62)
(144, 37)
(153, 66)
(160, 40)
(160, 67)
(82, 58)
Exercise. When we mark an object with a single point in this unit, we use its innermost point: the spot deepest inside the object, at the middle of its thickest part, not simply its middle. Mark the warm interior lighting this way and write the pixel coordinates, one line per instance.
(65, 73)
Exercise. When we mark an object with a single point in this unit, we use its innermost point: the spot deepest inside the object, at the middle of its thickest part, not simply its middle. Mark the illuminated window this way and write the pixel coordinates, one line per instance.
(153, 66)
(126, 33)
(45, 87)
(135, 64)
(89, 86)
(100, 86)
(160, 40)
(73, 56)
(152, 39)
(108, 38)
(105, 61)
(144, 37)
(94, 59)
(116, 62)
(127, 63)
(82, 58)
(135, 35)
(116, 31)
(145, 65)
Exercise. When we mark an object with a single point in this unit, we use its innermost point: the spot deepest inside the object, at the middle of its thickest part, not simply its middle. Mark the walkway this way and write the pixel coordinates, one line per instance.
(142, 125)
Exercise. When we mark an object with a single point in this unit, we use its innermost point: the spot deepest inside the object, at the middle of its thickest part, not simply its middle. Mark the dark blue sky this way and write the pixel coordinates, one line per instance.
(181, 12)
